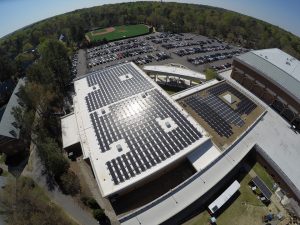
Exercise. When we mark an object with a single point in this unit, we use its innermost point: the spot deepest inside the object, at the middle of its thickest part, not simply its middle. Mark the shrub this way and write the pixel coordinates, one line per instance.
(69, 183)
(210, 74)
(98, 214)
(49, 151)
(92, 203)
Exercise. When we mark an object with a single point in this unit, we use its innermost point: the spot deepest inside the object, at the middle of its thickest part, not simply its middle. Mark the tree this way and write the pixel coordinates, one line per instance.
(27, 47)
(40, 96)
(98, 214)
(69, 183)
(210, 74)
(7, 68)
(40, 74)
(25, 120)
(23, 60)
(36, 97)
(49, 151)
(54, 56)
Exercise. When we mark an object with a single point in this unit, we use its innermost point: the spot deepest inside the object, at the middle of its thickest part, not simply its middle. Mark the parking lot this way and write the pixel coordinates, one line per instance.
(193, 51)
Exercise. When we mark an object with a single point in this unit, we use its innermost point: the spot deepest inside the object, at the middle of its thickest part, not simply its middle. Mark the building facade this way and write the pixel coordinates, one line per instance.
(273, 76)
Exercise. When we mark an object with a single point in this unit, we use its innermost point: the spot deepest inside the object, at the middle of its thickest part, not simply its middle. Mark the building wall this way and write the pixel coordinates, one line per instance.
(276, 173)
(150, 178)
(273, 95)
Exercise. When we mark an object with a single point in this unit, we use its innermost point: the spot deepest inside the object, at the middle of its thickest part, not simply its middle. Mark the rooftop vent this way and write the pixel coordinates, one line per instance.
(168, 125)
(119, 148)
(288, 63)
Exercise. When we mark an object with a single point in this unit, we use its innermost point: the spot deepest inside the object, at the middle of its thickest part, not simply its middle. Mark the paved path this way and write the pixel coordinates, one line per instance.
(34, 170)
(92, 184)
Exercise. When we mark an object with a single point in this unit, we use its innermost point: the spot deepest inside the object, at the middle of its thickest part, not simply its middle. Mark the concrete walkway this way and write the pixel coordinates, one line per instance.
(34, 170)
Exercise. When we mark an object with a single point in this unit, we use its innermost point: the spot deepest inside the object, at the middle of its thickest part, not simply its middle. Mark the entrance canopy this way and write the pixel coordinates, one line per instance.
(175, 71)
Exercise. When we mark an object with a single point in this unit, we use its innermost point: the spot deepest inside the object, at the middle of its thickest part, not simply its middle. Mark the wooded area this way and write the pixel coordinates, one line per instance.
(174, 17)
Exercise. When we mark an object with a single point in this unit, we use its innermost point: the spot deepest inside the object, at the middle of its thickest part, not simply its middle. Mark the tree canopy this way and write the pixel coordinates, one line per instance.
(210, 74)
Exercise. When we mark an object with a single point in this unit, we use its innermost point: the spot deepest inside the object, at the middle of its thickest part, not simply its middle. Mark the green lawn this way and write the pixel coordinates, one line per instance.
(246, 209)
(120, 32)
(170, 92)
(262, 173)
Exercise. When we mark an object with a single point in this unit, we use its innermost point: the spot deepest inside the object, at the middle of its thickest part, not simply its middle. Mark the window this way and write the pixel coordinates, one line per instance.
(13, 133)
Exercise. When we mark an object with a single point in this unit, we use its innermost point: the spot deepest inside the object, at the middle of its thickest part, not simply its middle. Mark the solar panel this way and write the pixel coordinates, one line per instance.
(110, 87)
(135, 122)
(263, 187)
(135, 117)
(219, 115)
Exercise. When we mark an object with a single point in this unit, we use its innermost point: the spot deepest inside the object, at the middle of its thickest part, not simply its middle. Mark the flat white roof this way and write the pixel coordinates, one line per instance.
(186, 193)
(282, 60)
(224, 197)
(69, 130)
(275, 136)
(175, 71)
(202, 157)
(272, 133)
(100, 118)
(276, 66)
(193, 90)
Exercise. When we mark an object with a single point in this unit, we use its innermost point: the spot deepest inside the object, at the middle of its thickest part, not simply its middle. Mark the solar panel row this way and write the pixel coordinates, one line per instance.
(111, 88)
(216, 112)
(220, 125)
(245, 106)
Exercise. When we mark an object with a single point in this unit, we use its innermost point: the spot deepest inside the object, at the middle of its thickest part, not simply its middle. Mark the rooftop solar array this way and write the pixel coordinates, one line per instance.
(132, 126)
(219, 115)
(114, 84)
(134, 120)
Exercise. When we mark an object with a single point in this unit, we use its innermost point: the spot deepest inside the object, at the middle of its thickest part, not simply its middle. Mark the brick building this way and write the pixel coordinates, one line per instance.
(273, 76)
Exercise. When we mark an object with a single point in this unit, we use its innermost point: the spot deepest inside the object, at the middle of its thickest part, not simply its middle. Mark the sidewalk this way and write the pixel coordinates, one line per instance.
(34, 170)
(92, 184)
